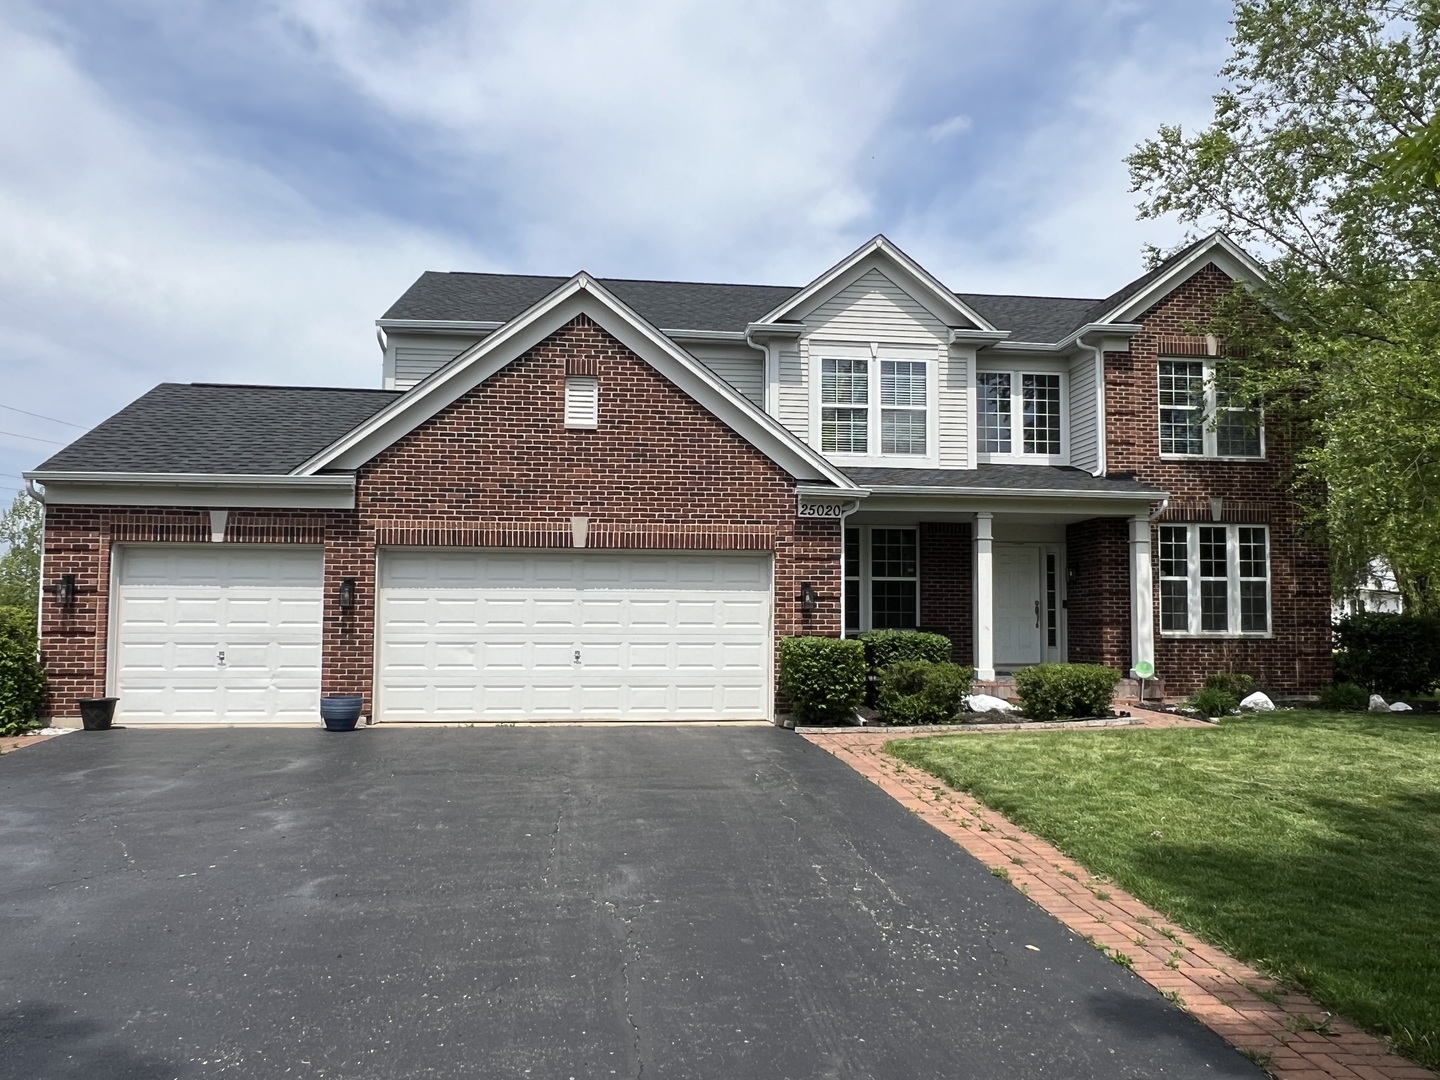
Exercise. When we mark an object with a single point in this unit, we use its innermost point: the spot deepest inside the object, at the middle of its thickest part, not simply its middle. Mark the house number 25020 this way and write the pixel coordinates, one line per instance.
(821, 510)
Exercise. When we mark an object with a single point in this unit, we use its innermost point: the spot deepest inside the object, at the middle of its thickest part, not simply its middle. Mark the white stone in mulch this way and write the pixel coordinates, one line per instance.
(1378, 704)
(1400, 706)
(983, 703)
(1258, 702)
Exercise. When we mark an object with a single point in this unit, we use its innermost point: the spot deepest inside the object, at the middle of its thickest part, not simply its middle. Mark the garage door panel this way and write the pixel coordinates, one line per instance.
(648, 647)
(177, 608)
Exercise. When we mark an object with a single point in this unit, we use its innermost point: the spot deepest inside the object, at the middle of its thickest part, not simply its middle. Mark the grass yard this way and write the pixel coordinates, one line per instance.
(1307, 843)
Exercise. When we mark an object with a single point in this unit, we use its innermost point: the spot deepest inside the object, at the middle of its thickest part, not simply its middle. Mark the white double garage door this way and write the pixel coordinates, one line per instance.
(234, 633)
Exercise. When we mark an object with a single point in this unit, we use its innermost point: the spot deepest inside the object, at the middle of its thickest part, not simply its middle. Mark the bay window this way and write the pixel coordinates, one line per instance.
(1202, 413)
(1214, 579)
(1041, 421)
(875, 407)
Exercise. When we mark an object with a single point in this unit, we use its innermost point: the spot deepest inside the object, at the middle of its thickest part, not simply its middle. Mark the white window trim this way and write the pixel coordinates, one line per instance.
(1232, 577)
(874, 354)
(867, 600)
(1208, 416)
(1017, 416)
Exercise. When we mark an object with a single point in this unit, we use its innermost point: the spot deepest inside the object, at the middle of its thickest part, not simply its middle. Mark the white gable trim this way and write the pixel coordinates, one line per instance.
(581, 295)
(1230, 257)
(880, 254)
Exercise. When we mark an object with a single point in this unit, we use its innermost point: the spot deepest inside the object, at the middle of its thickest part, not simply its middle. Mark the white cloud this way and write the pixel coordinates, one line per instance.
(946, 129)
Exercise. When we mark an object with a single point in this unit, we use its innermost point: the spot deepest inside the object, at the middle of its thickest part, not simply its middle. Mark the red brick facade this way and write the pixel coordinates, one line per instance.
(947, 584)
(1097, 563)
(496, 468)
(1296, 657)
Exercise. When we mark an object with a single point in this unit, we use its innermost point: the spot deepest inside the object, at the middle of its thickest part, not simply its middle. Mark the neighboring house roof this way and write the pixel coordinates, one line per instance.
(215, 428)
(987, 477)
(669, 305)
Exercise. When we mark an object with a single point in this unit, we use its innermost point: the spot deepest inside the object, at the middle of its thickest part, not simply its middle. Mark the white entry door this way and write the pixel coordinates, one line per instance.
(511, 635)
(225, 632)
(1019, 607)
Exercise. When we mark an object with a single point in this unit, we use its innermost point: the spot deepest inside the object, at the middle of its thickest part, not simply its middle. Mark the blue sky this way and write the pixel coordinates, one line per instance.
(203, 191)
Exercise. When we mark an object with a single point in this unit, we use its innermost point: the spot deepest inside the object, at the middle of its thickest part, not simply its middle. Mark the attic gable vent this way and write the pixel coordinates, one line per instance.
(582, 401)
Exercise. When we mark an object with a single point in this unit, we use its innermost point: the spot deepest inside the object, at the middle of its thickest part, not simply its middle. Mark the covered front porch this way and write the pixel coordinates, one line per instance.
(1013, 577)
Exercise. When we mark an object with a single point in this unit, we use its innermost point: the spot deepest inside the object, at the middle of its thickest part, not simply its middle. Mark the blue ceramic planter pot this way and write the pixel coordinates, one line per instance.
(341, 712)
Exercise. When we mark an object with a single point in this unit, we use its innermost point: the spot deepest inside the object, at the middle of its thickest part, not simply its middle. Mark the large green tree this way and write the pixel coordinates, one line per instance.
(1321, 158)
(20, 533)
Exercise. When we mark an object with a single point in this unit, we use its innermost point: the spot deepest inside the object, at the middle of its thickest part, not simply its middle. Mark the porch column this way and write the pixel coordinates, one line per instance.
(1142, 606)
(984, 598)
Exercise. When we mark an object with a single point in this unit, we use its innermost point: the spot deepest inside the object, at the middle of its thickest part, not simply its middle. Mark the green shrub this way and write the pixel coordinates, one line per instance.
(1213, 701)
(22, 680)
(922, 692)
(886, 647)
(824, 678)
(1345, 697)
(1055, 691)
(1233, 683)
(1389, 654)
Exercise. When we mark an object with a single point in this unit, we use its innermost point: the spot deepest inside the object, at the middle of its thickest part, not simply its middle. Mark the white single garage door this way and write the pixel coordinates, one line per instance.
(225, 632)
(504, 635)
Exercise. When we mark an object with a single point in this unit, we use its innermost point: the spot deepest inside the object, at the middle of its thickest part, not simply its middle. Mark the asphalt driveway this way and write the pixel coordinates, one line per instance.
(523, 902)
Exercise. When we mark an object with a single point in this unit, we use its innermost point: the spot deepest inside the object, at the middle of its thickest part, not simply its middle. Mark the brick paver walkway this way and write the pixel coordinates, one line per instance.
(1287, 1033)
(14, 742)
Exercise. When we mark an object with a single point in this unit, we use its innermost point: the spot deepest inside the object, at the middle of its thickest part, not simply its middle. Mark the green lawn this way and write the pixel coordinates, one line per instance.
(1307, 843)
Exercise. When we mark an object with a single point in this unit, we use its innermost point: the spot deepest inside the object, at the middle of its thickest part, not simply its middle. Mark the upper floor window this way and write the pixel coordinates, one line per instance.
(1039, 431)
(855, 391)
(1202, 413)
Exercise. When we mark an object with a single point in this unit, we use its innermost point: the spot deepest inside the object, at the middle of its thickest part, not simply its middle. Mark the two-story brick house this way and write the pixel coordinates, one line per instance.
(594, 498)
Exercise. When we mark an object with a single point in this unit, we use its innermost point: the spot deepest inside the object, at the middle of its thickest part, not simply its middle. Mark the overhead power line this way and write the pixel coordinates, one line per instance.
(17, 435)
(38, 416)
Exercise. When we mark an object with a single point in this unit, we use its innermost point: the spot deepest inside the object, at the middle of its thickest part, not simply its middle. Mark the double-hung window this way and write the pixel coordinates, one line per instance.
(874, 407)
(882, 579)
(1214, 579)
(1039, 431)
(1202, 413)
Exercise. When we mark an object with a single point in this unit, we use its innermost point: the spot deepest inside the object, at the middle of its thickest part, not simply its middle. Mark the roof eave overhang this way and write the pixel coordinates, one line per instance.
(1018, 493)
(330, 491)
(440, 325)
(1070, 340)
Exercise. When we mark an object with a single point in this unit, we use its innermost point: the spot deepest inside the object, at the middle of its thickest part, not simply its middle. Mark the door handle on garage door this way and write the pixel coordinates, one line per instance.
(220, 658)
(1037, 614)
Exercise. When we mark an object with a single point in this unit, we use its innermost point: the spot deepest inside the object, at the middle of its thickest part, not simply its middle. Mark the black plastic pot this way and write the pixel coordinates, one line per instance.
(97, 714)
(341, 712)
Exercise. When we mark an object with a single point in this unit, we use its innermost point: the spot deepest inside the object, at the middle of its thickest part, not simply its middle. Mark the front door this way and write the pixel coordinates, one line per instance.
(1019, 610)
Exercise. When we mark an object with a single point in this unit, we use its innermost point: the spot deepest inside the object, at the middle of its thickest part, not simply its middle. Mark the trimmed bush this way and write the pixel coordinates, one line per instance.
(1345, 697)
(1233, 683)
(22, 680)
(1214, 701)
(824, 678)
(1057, 691)
(922, 692)
(1389, 654)
(886, 647)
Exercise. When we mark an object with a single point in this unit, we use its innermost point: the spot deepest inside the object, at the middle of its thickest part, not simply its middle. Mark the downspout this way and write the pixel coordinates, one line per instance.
(1100, 432)
(39, 497)
(771, 408)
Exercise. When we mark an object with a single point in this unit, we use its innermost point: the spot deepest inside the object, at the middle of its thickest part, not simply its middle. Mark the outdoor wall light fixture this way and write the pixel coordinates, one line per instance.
(808, 600)
(65, 591)
(1072, 574)
(347, 594)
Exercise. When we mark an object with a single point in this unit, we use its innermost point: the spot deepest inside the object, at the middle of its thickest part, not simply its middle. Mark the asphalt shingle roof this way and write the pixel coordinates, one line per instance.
(216, 428)
(669, 305)
(1031, 318)
(1057, 478)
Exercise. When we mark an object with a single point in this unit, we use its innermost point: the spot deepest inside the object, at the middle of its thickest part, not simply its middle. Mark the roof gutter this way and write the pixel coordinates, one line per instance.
(38, 496)
(328, 491)
(1022, 493)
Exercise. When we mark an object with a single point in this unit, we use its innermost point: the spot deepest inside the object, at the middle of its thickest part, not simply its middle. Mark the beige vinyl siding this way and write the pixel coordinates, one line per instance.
(417, 355)
(739, 365)
(794, 393)
(874, 308)
(1084, 429)
(954, 431)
